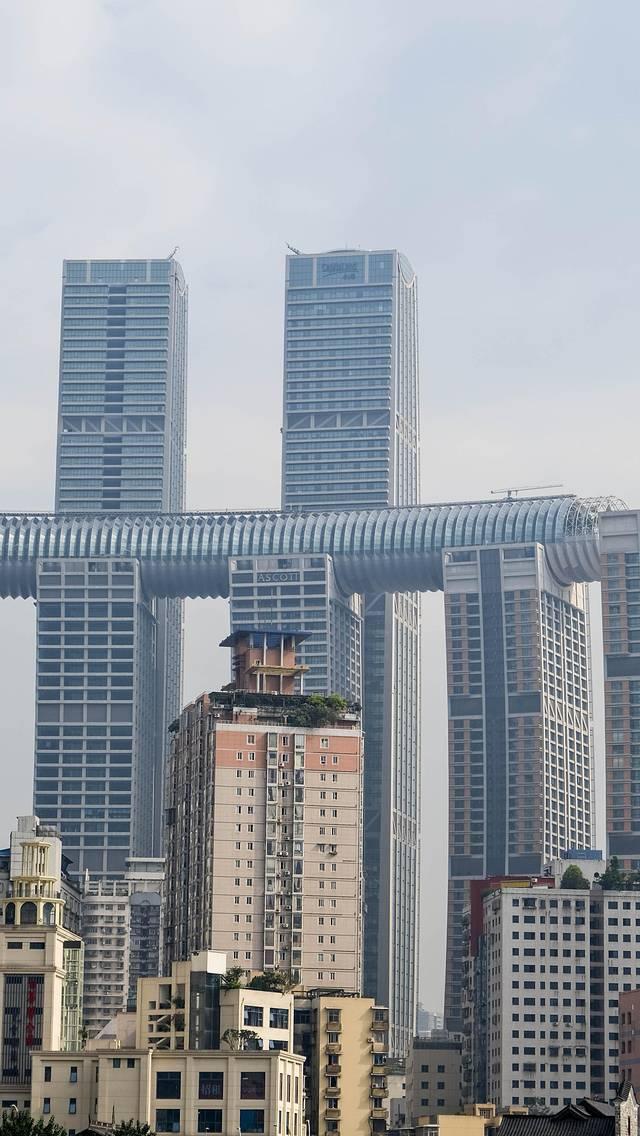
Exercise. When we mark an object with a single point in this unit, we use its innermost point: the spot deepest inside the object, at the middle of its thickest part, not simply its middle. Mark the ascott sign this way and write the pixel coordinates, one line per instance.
(278, 578)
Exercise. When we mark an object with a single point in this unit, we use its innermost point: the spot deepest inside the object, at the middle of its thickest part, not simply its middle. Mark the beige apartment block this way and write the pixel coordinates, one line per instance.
(190, 1010)
(345, 1040)
(186, 1093)
(264, 834)
(201, 1059)
(41, 961)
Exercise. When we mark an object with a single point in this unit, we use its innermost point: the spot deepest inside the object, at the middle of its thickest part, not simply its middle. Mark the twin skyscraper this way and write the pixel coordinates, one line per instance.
(109, 572)
(109, 655)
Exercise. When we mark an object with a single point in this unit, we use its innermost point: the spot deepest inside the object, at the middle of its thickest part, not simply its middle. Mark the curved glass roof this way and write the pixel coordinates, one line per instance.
(378, 550)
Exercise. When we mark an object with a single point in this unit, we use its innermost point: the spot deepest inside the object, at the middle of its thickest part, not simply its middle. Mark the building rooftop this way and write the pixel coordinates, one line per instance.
(586, 1117)
(299, 711)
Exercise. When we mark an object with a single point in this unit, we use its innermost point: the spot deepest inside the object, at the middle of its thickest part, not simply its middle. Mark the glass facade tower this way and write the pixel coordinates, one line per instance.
(350, 440)
(109, 657)
(620, 553)
(520, 746)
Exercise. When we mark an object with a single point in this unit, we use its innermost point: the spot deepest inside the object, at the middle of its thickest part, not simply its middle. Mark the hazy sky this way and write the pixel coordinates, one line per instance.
(496, 143)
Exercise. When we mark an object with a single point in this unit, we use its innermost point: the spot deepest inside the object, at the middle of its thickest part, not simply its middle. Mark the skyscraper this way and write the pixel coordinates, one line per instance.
(620, 554)
(350, 440)
(520, 760)
(109, 658)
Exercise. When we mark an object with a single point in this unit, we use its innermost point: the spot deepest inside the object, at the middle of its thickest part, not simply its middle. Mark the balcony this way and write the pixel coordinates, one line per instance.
(378, 1047)
(331, 1092)
(332, 1070)
(333, 1047)
(379, 1091)
(333, 1027)
(380, 1019)
(333, 1114)
(378, 1113)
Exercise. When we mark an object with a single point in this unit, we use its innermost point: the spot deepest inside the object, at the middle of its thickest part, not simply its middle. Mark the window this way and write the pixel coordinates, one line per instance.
(168, 1085)
(116, 1062)
(73, 1074)
(278, 1019)
(46, 1104)
(253, 1015)
(47, 1072)
(211, 1085)
(167, 1120)
(209, 1120)
(14, 946)
(252, 1087)
(72, 1105)
(252, 1120)
(131, 1062)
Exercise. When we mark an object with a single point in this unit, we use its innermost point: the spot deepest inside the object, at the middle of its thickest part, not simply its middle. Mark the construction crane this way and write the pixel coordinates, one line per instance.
(513, 491)
(292, 249)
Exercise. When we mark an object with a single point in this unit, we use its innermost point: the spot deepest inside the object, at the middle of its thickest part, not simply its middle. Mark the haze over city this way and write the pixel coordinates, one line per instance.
(496, 147)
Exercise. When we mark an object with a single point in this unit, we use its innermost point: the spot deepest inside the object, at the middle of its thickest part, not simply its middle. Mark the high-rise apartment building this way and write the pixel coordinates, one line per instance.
(520, 754)
(350, 440)
(41, 961)
(121, 932)
(109, 658)
(555, 963)
(620, 558)
(264, 824)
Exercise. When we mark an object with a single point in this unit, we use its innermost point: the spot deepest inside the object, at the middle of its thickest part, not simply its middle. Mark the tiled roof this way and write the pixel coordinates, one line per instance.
(566, 1123)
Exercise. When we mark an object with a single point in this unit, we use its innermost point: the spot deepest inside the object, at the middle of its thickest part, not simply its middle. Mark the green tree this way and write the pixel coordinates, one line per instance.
(21, 1123)
(132, 1128)
(233, 978)
(239, 1039)
(613, 879)
(574, 878)
(317, 710)
(280, 981)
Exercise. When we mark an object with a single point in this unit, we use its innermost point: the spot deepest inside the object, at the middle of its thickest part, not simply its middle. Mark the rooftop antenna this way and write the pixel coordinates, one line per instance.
(513, 490)
(172, 254)
(292, 249)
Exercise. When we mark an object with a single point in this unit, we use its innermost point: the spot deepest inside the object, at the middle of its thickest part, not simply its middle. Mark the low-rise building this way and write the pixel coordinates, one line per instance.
(41, 961)
(475, 1121)
(202, 1059)
(434, 1071)
(180, 1092)
(585, 1117)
